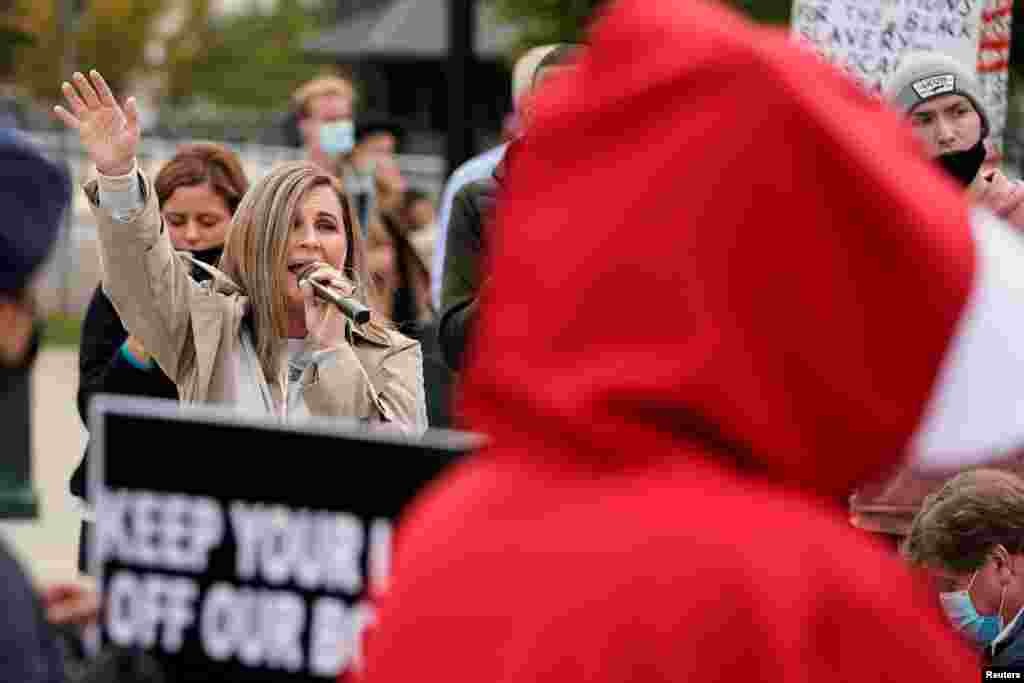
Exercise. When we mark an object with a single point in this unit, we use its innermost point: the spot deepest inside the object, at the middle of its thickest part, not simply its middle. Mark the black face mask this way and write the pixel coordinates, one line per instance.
(964, 166)
(207, 256)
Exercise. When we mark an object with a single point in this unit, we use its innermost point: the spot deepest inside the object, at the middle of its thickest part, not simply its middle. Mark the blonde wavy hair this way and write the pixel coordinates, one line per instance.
(256, 252)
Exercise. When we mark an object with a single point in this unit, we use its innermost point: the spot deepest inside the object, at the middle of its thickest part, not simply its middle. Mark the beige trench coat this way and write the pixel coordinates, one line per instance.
(193, 330)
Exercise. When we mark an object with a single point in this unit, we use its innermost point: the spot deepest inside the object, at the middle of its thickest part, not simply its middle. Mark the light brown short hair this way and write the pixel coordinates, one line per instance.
(323, 85)
(958, 526)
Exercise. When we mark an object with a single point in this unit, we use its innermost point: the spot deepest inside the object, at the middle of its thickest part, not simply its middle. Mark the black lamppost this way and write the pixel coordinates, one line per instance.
(461, 143)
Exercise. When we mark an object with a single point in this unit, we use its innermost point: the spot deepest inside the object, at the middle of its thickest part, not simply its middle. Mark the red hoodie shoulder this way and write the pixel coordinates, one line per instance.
(628, 166)
(659, 502)
(546, 574)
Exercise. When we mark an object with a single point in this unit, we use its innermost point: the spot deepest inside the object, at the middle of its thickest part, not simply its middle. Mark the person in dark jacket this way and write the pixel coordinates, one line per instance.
(199, 190)
(969, 537)
(463, 276)
(36, 193)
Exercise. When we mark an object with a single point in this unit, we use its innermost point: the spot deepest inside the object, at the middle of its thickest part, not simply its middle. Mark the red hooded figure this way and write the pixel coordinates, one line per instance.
(726, 290)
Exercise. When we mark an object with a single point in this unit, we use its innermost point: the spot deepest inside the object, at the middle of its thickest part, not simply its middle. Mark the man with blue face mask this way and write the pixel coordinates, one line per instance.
(960, 609)
(969, 537)
(324, 110)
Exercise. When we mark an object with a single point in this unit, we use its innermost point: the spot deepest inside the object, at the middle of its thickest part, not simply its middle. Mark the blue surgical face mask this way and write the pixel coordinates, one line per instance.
(337, 137)
(959, 608)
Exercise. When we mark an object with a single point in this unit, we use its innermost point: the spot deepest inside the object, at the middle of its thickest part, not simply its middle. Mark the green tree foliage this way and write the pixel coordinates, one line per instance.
(768, 11)
(555, 21)
(547, 21)
(110, 35)
(13, 36)
(247, 60)
(251, 60)
(184, 49)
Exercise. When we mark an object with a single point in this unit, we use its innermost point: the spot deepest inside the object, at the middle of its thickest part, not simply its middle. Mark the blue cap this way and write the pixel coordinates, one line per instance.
(33, 195)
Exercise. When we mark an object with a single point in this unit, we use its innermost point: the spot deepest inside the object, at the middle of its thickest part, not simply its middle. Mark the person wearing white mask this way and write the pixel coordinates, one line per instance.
(969, 537)
(324, 108)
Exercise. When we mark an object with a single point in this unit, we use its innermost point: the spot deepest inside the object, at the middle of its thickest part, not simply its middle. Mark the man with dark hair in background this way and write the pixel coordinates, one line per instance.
(969, 537)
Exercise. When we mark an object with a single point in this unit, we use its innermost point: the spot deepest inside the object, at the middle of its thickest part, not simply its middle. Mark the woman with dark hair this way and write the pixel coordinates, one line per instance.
(198, 191)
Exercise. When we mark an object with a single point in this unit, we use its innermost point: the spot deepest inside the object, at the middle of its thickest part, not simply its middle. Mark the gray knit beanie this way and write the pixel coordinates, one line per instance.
(925, 75)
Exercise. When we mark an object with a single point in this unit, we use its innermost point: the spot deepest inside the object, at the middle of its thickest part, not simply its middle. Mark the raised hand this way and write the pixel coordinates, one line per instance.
(109, 134)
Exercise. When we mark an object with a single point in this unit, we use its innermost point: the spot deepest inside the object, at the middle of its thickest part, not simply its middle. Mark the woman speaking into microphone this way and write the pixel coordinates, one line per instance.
(256, 335)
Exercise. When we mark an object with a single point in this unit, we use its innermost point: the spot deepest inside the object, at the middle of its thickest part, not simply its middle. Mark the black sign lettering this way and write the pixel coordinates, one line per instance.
(252, 554)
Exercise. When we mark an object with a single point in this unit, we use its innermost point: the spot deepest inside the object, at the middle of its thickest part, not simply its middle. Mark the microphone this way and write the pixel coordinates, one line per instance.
(352, 308)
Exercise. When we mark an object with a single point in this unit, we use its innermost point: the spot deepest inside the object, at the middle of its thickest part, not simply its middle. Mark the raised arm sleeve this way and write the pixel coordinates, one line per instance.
(148, 285)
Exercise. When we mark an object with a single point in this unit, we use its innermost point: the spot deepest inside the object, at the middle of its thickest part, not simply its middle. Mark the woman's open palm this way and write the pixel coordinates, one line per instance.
(109, 134)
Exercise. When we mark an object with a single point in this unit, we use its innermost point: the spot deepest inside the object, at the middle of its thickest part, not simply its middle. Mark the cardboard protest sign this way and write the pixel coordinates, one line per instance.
(869, 37)
(243, 550)
(994, 63)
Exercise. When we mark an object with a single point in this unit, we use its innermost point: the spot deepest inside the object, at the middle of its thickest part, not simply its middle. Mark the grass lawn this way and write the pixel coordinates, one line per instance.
(62, 330)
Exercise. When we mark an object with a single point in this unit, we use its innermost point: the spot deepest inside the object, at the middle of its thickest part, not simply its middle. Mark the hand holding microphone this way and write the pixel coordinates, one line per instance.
(334, 292)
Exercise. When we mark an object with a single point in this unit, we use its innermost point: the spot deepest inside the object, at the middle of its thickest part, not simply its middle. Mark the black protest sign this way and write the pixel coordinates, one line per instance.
(240, 550)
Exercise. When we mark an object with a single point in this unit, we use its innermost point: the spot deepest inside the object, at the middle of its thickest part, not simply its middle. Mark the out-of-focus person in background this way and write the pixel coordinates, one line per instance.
(419, 212)
(420, 218)
(372, 168)
(480, 167)
(402, 281)
(943, 102)
(969, 536)
(472, 209)
(35, 195)
(324, 108)
(404, 276)
(401, 277)
(677, 402)
(198, 191)
(254, 336)
(419, 215)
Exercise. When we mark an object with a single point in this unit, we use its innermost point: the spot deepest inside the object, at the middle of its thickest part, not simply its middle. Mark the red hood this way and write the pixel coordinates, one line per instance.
(713, 243)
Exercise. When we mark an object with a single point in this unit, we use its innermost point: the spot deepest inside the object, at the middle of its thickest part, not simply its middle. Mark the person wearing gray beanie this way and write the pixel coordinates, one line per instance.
(942, 99)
